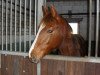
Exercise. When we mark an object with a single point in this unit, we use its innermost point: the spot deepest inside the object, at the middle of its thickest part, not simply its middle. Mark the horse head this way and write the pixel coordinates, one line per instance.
(50, 35)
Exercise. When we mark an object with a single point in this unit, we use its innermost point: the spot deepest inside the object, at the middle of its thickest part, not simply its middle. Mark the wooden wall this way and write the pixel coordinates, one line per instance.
(0, 71)
(18, 65)
(53, 67)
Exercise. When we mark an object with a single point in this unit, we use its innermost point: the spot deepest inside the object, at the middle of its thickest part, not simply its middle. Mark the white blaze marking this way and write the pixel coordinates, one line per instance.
(35, 40)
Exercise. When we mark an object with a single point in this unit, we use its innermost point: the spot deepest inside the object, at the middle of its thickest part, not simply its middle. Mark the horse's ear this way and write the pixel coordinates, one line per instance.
(53, 11)
(45, 10)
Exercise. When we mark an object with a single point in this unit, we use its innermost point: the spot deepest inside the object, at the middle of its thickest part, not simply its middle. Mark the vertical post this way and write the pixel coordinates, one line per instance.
(20, 27)
(39, 68)
(97, 28)
(11, 25)
(90, 22)
(6, 24)
(0, 61)
(25, 26)
(39, 10)
(15, 24)
(38, 17)
(44, 2)
(35, 26)
(2, 24)
(30, 24)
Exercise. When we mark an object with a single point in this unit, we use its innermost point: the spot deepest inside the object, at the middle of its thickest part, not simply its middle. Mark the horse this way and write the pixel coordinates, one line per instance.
(55, 33)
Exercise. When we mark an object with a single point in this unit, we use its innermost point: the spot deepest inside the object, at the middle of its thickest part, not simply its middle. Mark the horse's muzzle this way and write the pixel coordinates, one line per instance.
(34, 60)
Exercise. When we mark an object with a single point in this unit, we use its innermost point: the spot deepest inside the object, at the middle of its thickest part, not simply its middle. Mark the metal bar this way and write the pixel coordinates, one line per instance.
(45, 2)
(20, 27)
(25, 26)
(15, 23)
(14, 53)
(97, 28)
(0, 61)
(18, 7)
(30, 25)
(6, 24)
(90, 22)
(11, 26)
(2, 25)
(36, 8)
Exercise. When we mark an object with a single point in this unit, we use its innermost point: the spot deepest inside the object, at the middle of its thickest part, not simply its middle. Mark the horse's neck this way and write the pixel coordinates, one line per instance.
(68, 48)
(65, 47)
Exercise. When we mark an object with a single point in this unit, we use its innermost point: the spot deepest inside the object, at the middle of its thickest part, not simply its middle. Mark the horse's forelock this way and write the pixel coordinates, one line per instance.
(49, 20)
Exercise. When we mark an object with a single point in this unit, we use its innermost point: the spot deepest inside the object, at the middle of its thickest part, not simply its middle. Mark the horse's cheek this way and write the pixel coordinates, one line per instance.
(57, 41)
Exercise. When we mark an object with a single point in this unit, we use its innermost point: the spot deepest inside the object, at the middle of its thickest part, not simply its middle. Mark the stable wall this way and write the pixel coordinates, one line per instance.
(20, 65)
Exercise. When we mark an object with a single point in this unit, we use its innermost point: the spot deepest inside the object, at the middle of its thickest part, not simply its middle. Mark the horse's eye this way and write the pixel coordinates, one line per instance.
(50, 31)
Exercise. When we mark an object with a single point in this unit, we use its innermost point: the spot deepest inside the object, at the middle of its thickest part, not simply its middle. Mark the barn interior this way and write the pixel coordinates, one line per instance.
(17, 26)
(19, 21)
